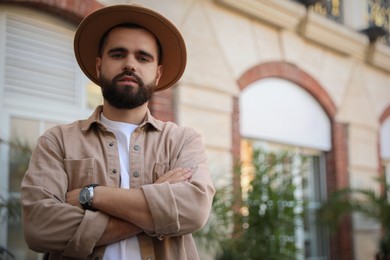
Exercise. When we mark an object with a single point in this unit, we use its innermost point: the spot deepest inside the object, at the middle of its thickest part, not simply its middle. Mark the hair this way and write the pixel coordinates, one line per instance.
(103, 40)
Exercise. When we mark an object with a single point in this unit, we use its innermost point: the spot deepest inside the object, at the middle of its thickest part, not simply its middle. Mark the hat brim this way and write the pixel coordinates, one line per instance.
(94, 26)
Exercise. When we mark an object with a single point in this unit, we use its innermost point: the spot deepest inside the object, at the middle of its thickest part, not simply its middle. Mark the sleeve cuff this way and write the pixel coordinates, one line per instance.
(89, 232)
(162, 205)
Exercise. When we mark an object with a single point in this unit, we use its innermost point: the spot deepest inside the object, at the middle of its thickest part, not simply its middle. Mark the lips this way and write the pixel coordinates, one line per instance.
(128, 79)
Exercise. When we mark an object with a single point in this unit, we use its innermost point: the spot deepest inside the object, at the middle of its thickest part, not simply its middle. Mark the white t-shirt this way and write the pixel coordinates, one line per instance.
(128, 248)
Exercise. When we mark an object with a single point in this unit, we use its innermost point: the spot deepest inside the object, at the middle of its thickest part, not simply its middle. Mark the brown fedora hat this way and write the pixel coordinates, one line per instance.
(94, 26)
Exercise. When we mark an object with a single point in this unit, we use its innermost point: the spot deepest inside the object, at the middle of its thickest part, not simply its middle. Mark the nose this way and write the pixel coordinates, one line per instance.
(129, 64)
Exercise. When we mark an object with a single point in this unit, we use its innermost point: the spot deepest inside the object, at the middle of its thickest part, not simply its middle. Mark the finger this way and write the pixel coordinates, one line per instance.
(175, 175)
(168, 175)
(182, 175)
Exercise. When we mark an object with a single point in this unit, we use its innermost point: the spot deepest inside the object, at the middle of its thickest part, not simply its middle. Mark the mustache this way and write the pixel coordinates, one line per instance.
(128, 74)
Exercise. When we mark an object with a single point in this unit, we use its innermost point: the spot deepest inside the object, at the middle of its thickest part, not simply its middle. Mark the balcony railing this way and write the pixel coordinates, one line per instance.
(330, 8)
(377, 17)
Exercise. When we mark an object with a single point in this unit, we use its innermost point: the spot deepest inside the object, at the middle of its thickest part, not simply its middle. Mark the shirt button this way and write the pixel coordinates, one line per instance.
(111, 144)
(136, 174)
(114, 171)
(149, 258)
(137, 147)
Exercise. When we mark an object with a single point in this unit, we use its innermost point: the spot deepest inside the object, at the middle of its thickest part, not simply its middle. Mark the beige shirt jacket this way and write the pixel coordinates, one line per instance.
(85, 152)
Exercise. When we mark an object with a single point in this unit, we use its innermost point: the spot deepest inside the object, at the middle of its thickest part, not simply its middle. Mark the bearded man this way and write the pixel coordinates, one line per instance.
(120, 184)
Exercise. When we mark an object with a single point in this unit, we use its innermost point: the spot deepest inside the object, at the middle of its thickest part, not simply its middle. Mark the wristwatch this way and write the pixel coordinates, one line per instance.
(86, 196)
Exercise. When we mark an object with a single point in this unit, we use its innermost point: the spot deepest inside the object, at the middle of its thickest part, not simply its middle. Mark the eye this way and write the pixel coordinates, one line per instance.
(117, 55)
(143, 58)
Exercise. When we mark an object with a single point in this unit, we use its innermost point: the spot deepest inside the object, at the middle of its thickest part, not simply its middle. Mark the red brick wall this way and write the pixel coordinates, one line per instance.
(162, 105)
(385, 115)
(341, 245)
(236, 136)
(236, 179)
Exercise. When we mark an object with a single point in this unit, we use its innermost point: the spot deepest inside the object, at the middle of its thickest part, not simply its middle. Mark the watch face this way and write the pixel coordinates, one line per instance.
(84, 196)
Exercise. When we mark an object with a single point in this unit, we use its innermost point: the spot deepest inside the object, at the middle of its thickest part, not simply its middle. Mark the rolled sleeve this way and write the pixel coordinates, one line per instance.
(49, 223)
(182, 208)
(84, 241)
(163, 208)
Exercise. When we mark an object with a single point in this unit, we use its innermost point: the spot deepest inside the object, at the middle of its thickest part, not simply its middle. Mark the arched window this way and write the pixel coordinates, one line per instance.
(278, 114)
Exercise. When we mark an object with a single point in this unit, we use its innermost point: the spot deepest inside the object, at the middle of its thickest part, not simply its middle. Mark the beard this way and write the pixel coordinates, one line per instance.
(125, 96)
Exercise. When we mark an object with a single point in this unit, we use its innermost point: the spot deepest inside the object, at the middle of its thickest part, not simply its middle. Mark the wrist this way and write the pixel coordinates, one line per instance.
(86, 197)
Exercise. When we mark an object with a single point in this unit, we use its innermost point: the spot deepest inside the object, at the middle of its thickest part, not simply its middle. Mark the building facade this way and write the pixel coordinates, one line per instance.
(270, 72)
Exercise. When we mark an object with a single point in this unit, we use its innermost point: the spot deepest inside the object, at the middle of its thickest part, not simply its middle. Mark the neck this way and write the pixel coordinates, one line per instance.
(133, 116)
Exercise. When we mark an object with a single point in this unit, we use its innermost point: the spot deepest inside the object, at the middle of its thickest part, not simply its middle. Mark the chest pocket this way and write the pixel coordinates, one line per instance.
(80, 172)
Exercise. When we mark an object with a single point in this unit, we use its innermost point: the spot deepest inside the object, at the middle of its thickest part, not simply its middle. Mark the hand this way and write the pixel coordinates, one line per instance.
(72, 198)
(175, 176)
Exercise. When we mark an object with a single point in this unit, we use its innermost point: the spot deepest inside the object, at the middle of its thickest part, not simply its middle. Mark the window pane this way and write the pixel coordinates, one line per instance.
(94, 95)
(306, 167)
(23, 136)
(24, 133)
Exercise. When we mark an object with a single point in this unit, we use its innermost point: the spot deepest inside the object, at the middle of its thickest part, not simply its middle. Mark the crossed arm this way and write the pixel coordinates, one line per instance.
(125, 223)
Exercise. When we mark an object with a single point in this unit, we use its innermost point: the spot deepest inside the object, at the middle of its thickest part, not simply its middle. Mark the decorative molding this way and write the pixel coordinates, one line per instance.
(378, 55)
(281, 14)
(332, 35)
(288, 15)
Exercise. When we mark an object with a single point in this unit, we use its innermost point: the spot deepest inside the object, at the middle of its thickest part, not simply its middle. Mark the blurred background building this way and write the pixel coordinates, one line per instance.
(312, 75)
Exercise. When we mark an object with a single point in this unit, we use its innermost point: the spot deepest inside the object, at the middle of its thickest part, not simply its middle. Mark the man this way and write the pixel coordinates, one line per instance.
(121, 184)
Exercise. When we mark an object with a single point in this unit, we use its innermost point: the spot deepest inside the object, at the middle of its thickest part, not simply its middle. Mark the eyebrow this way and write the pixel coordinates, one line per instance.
(140, 52)
(118, 49)
(147, 54)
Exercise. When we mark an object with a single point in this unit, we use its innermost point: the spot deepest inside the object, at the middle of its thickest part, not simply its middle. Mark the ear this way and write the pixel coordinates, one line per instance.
(98, 66)
(159, 73)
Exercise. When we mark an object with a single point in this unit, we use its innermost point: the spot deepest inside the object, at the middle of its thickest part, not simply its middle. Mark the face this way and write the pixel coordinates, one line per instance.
(128, 68)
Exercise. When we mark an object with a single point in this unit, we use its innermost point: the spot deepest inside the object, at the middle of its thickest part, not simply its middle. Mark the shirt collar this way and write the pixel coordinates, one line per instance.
(95, 119)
